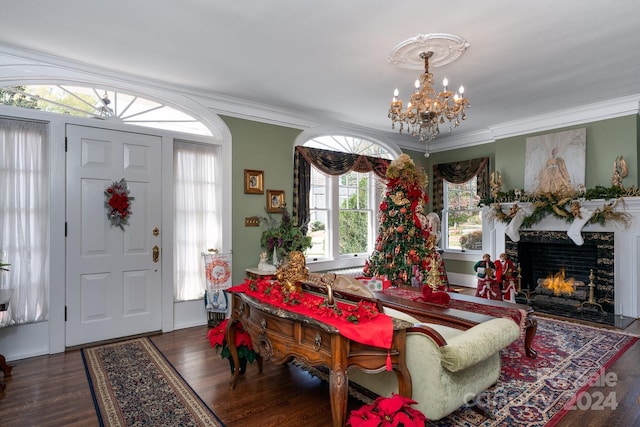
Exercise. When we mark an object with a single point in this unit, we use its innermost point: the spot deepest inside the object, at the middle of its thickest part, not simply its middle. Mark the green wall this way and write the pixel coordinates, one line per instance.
(264, 147)
(270, 148)
(606, 139)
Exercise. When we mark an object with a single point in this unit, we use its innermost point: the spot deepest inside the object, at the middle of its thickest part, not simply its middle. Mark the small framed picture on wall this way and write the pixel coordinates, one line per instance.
(253, 181)
(275, 201)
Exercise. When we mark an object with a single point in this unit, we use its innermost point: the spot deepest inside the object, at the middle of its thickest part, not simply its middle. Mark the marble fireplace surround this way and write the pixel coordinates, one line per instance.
(626, 246)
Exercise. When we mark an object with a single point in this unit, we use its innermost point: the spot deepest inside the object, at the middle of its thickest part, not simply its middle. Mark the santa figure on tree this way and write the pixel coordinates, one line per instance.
(405, 251)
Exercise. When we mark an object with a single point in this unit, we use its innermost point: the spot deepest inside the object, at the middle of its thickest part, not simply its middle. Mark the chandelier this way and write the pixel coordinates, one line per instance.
(427, 110)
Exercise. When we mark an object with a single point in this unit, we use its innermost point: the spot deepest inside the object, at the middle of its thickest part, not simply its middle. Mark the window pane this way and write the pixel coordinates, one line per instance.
(353, 232)
(463, 218)
(318, 191)
(465, 230)
(318, 231)
(354, 213)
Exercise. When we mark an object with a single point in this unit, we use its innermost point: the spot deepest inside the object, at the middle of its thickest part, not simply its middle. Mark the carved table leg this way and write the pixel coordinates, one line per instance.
(531, 326)
(338, 392)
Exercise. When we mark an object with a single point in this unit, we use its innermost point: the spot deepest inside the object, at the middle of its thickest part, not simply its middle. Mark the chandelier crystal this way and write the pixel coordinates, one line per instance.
(427, 110)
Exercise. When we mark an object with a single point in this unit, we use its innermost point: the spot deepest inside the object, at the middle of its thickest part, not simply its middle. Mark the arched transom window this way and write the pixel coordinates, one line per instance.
(103, 104)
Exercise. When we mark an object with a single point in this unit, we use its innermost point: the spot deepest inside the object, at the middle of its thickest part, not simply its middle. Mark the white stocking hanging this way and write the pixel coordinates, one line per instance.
(574, 231)
(514, 225)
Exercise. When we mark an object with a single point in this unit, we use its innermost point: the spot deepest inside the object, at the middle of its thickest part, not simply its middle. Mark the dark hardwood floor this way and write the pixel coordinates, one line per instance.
(53, 390)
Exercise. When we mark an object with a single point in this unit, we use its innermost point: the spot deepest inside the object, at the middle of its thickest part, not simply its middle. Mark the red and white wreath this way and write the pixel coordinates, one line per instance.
(117, 201)
(218, 271)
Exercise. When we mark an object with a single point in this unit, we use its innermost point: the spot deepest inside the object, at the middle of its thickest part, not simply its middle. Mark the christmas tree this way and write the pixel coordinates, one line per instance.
(405, 251)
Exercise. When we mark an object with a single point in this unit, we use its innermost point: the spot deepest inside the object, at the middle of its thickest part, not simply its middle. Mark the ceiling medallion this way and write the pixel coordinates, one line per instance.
(446, 48)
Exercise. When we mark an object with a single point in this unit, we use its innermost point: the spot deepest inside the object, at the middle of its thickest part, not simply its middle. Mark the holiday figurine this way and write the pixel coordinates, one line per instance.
(481, 266)
(509, 291)
(488, 287)
(504, 270)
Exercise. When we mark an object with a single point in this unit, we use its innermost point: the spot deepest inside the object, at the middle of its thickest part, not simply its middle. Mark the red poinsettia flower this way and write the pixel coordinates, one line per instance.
(217, 336)
(391, 411)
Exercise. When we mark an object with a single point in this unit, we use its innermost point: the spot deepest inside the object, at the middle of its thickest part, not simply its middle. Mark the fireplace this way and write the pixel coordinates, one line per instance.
(611, 250)
(544, 254)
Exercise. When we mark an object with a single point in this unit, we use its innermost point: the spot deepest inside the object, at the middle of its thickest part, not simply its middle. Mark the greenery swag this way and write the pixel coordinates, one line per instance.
(563, 205)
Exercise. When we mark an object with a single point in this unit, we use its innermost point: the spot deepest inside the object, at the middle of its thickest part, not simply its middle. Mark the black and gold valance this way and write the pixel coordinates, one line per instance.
(331, 163)
(458, 173)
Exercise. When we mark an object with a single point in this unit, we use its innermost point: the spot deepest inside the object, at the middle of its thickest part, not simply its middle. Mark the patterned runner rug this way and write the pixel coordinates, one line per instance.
(132, 383)
(569, 373)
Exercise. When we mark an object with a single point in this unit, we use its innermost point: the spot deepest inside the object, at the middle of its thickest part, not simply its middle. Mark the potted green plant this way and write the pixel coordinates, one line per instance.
(281, 237)
(387, 412)
(218, 340)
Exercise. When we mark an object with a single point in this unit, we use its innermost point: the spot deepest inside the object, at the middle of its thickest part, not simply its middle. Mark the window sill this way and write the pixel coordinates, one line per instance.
(335, 264)
(461, 256)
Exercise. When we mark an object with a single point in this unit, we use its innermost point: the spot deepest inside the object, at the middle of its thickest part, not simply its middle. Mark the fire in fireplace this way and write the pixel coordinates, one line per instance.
(558, 284)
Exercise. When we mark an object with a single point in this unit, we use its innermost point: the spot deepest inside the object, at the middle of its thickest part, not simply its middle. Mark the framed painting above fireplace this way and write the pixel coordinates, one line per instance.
(555, 163)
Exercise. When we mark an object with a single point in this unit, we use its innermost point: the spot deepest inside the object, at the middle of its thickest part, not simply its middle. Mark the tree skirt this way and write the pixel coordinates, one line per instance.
(132, 383)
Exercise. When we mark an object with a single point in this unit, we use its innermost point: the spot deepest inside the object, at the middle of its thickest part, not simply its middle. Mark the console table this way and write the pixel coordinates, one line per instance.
(5, 297)
(280, 335)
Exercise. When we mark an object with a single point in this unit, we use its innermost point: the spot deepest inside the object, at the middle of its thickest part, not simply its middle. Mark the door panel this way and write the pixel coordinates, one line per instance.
(113, 284)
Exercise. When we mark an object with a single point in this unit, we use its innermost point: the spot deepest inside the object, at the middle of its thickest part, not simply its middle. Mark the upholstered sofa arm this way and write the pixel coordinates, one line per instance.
(478, 343)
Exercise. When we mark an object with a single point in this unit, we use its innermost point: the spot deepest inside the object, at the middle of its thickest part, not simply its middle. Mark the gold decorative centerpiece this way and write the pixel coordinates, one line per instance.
(292, 273)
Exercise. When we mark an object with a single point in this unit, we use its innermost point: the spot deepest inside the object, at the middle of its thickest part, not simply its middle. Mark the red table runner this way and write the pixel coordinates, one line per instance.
(376, 331)
(516, 314)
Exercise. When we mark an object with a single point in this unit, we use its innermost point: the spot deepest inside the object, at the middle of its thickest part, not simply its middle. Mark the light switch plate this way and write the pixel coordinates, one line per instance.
(252, 221)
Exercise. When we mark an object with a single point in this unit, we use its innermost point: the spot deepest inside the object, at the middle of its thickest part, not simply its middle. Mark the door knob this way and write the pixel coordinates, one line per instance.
(156, 253)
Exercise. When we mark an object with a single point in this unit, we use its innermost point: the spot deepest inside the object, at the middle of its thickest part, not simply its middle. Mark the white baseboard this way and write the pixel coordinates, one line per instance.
(466, 280)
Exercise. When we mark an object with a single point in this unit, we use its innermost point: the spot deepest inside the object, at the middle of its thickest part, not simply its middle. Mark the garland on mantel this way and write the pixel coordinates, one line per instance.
(564, 206)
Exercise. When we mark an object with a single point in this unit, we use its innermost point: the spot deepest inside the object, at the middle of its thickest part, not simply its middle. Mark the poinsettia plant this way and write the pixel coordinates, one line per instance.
(388, 412)
(218, 340)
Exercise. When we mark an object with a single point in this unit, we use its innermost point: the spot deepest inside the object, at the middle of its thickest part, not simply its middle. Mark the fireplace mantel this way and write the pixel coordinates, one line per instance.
(626, 252)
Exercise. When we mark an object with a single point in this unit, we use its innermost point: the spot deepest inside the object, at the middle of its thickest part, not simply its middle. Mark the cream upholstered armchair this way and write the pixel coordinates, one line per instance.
(448, 367)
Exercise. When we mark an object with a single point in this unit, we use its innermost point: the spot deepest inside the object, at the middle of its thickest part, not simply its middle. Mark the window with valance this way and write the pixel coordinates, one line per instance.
(335, 199)
(457, 189)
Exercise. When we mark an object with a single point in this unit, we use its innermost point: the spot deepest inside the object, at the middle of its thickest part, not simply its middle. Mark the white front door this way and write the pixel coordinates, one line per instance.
(113, 276)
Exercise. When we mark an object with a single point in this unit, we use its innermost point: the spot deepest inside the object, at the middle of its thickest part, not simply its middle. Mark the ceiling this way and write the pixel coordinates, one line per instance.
(329, 61)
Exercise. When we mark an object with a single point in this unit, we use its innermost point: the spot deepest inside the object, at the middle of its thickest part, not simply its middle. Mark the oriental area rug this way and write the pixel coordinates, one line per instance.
(132, 383)
(568, 373)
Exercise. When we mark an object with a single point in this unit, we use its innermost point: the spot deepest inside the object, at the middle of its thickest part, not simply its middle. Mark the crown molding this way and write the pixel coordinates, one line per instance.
(604, 110)
(609, 109)
(18, 65)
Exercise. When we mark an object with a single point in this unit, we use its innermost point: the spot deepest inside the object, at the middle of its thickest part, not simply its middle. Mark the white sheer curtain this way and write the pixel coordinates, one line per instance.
(24, 219)
(197, 217)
